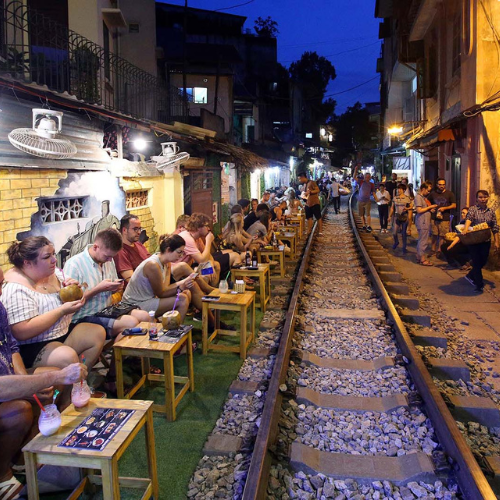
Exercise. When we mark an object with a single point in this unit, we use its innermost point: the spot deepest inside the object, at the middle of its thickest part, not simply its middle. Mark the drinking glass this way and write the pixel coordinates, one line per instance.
(223, 286)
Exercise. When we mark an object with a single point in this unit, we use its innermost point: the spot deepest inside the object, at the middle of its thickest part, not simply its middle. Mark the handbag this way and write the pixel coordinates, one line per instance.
(116, 310)
(402, 217)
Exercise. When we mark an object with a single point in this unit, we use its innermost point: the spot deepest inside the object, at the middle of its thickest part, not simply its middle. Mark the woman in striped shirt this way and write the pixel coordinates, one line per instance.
(39, 320)
(479, 253)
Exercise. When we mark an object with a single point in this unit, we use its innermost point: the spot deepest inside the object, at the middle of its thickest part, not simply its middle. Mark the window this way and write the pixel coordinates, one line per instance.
(456, 44)
(133, 28)
(136, 199)
(61, 209)
(198, 95)
(202, 181)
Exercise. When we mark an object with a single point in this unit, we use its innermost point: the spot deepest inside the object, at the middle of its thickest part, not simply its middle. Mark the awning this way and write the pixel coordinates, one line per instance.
(441, 136)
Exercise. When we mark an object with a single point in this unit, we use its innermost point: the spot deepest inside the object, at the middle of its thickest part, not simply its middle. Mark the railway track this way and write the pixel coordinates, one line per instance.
(343, 405)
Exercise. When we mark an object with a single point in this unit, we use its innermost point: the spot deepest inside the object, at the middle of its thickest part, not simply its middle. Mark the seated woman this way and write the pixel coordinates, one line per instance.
(39, 320)
(239, 240)
(261, 228)
(152, 287)
(278, 211)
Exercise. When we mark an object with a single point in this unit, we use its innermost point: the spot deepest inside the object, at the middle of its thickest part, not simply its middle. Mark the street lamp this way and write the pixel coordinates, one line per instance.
(395, 130)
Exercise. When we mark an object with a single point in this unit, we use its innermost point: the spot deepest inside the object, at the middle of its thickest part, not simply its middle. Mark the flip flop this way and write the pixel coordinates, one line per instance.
(9, 490)
(426, 263)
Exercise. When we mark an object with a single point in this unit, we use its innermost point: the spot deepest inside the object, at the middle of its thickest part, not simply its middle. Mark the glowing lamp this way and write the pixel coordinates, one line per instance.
(395, 130)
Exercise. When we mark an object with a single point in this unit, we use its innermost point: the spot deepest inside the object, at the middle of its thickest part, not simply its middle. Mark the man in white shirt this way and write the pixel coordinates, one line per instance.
(334, 195)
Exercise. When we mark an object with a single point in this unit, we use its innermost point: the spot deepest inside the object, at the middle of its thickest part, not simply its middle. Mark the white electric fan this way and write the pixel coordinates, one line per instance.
(167, 159)
(41, 140)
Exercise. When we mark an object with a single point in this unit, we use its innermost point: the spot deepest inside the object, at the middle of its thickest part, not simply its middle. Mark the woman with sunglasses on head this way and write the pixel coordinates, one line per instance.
(480, 252)
(39, 320)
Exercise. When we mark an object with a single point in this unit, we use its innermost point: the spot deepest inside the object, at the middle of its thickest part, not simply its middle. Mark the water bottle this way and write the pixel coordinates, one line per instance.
(153, 326)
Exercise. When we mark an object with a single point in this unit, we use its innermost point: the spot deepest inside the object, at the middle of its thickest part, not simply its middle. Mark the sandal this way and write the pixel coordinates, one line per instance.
(9, 490)
(426, 263)
(155, 370)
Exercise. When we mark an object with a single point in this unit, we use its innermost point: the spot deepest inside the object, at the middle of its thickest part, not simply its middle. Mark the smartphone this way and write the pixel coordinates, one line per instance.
(135, 331)
(210, 299)
(119, 280)
(194, 275)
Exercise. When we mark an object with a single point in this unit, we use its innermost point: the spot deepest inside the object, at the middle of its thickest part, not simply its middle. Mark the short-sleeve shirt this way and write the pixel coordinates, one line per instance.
(22, 304)
(478, 215)
(83, 268)
(249, 220)
(383, 198)
(192, 247)
(129, 257)
(8, 344)
(312, 199)
(334, 189)
(400, 203)
(365, 191)
(443, 199)
(257, 229)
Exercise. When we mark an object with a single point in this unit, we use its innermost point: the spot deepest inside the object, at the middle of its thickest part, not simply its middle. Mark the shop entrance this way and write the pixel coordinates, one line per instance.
(198, 186)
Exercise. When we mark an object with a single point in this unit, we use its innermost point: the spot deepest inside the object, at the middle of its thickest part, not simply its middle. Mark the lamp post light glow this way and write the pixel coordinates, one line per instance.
(140, 144)
(395, 130)
(322, 132)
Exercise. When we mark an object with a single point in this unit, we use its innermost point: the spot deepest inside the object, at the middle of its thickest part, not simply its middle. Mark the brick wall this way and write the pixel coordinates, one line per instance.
(147, 223)
(19, 189)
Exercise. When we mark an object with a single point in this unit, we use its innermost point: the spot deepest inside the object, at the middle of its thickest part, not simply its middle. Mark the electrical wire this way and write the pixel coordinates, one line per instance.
(341, 52)
(352, 88)
(234, 6)
(339, 40)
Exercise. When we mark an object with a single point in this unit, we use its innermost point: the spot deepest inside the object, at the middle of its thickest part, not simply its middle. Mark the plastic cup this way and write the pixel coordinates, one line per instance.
(223, 286)
(80, 394)
(49, 420)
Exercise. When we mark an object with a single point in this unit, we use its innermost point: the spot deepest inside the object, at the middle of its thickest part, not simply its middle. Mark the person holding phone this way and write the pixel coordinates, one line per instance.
(400, 208)
(152, 288)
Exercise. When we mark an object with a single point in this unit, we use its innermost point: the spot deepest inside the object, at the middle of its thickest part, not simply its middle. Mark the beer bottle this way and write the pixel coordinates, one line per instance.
(254, 258)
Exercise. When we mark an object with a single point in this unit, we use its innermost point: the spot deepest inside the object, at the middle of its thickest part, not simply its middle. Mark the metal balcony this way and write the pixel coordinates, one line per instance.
(35, 49)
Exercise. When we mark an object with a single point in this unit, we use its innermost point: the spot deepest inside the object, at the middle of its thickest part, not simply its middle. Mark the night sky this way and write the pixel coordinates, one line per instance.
(344, 31)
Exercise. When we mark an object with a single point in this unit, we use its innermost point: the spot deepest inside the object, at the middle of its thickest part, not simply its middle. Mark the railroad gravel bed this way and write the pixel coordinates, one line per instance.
(284, 485)
(352, 382)
(240, 415)
(219, 477)
(257, 369)
(350, 339)
(368, 433)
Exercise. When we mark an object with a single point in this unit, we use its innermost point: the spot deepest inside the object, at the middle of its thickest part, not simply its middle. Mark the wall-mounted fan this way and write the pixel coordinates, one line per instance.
(41, 139)
(170, 156)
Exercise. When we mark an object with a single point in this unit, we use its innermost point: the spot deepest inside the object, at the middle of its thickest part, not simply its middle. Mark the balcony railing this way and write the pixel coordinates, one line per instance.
(36, 49)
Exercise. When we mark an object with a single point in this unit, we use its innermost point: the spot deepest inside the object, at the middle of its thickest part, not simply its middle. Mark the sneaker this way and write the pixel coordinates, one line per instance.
(369, 229)
(363, 228)
(395, 245)
(197, 316)
(479, 289)
(470, 280)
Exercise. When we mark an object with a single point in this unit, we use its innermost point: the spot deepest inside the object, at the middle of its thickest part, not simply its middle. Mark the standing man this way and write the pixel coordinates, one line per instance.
(446, 202)
(366, 190)
(133, 252)
(313, 207)
(391, 185)
(334, 195)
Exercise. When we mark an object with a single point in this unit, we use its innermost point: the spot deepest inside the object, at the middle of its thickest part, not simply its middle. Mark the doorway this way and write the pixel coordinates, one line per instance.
(198, 187)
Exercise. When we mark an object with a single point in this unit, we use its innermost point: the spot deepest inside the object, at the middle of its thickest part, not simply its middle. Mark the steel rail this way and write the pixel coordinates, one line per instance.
(470, 477)
(258, 472)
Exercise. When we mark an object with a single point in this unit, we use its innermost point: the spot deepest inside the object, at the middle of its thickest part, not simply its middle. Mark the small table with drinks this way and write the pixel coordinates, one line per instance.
(140, 346)
(291, 238)
(76, 444)
(275, 254)
(234, 302)
(262, 272)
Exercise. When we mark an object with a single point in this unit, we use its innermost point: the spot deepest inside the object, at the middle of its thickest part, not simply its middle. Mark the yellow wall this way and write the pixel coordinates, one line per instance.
(19, 189)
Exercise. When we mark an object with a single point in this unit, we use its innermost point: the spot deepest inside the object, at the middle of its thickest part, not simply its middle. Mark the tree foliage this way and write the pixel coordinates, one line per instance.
(266, 27)
(313, 73)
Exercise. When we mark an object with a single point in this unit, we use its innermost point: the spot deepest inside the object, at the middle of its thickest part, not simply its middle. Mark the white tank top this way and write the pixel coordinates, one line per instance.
(139, 288)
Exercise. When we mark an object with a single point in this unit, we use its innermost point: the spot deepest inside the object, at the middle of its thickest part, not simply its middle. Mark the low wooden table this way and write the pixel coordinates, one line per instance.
(140, 346)
(45, 450)
(300, 219)
(278, 255)
(238, 303)
(264, 276)
(292, 239)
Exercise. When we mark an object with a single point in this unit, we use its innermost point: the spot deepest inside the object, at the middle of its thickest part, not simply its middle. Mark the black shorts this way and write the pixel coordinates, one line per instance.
(314, 211)
(29, 352)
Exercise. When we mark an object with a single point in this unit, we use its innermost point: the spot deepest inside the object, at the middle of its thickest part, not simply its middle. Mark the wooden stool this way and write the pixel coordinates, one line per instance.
(239, 303)
(278, 255)
(45, 450)
(292, 240)
(140, 346)
(264, 276)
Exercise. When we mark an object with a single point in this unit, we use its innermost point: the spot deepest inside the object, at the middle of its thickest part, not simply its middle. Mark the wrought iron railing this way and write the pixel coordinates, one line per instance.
(36, 49)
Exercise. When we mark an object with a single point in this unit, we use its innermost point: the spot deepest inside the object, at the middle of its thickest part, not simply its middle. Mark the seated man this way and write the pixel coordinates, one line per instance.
(254, 216)
(16, 393)
(196, 251)
(95, 267)
(181, 224)
(133, 252)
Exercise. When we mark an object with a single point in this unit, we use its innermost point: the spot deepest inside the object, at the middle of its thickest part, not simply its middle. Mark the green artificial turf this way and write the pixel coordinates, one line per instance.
(179, 444)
